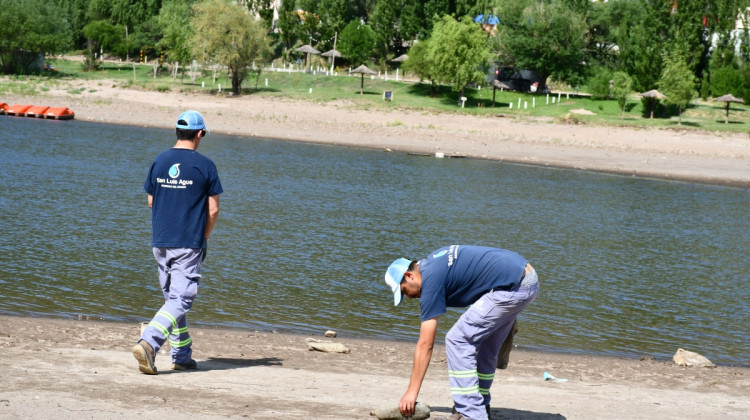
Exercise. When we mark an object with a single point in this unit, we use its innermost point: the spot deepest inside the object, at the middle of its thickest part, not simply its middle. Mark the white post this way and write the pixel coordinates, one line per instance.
(219, 87)
(386, 75)
(511, 105)
(525, 105)
(558, 97)
(548, 99)
(519, 103)
(397, 74)
(266, 81)
(533, 102)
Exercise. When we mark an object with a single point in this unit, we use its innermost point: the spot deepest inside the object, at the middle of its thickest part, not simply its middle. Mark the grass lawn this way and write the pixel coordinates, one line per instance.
(700, 115)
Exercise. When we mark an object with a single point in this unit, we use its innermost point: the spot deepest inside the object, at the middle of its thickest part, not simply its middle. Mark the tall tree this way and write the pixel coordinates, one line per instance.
(174, 19)
(225, 34)
(677, 81)
(30, 29)
(548, 38)
(622, 86)
(102, 35)
(288, 26)
(358, 42)
(641, 35)
(419, 64)
(458, 52)
(332, 15)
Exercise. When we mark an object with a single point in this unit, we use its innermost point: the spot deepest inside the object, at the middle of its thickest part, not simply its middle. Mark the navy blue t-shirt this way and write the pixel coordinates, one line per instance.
(458, 275)
(181, 180)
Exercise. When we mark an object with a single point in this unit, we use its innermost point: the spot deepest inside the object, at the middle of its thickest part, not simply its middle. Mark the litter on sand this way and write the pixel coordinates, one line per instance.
(421, 412)
(548, 377)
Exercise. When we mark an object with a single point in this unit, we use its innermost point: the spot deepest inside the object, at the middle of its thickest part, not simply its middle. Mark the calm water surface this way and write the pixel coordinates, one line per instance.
(628, 266)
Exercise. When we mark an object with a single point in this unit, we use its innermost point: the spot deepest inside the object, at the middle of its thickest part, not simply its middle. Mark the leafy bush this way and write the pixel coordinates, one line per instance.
(599, 83)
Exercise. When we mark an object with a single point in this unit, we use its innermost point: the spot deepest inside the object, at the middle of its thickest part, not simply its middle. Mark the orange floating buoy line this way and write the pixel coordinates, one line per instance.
(37, 111)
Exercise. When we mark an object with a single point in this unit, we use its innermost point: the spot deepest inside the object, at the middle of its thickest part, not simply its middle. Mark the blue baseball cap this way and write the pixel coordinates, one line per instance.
(393, 278)
(191, 120)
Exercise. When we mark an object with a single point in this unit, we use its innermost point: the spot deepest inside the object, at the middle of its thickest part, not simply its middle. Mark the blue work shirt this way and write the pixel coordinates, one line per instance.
(180, 181)
(458, 275)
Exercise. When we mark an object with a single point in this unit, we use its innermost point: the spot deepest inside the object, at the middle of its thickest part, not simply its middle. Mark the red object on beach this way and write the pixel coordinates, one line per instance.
(17, 109)
(36, 111)
(60, 113)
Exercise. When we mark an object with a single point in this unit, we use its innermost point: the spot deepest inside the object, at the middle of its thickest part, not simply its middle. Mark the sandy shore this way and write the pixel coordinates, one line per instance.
(715, 158)
(82, 369)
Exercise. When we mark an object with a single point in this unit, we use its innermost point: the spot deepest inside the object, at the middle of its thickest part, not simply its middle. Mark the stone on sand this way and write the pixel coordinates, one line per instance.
(421, 411)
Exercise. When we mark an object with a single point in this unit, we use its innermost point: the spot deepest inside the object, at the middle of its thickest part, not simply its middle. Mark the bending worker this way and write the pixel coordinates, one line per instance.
(498, 284)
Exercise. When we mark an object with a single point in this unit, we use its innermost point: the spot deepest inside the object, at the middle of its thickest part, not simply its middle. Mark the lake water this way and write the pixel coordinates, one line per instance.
(627, 266)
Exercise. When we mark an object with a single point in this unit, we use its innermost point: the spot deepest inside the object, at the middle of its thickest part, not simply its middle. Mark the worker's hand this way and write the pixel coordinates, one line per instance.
(406, 406)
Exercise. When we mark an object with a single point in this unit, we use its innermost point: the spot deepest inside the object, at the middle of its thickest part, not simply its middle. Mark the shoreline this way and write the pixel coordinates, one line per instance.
(64, 368)
(666, 154)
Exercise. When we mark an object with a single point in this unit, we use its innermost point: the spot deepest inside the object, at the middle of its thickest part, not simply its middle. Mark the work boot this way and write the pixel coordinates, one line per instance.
(191, 365)
(503, 357)
(144, 353)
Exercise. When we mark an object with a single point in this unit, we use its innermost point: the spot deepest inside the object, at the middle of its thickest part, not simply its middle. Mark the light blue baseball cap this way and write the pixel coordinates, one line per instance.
(393, 278)
(191, 120)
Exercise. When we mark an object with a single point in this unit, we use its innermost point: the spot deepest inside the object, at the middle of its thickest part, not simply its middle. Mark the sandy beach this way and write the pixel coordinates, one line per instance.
(706, 157)
(73, 368)
(54, 368)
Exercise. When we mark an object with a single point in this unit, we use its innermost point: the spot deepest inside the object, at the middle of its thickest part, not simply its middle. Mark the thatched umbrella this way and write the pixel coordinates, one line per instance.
(400, 59)
(653, 95)
(496, 84)
(309, 50)
(331, 54)
(728, 99)
(363, 69)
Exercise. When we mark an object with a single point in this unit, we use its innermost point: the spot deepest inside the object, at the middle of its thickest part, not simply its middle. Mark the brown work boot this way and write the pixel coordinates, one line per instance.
(144, 353)
(191, 365)
(503, 356)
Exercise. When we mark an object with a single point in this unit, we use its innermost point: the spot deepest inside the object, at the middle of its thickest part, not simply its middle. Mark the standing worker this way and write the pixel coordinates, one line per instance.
(498, 284)
(183, 193)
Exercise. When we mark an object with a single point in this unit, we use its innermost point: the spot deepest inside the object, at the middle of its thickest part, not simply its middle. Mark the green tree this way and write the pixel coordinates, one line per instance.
(30, 29)
(332, 15)
(458, 52)
(419, 64)
(101, 36)
(622, 85)
(357, 42)
(310, 25)
(727, 79)
(174, 19)
(288, 24)
(225, 34)
(598, 84)
(397, 24)
(677, 82)
(548, 38)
